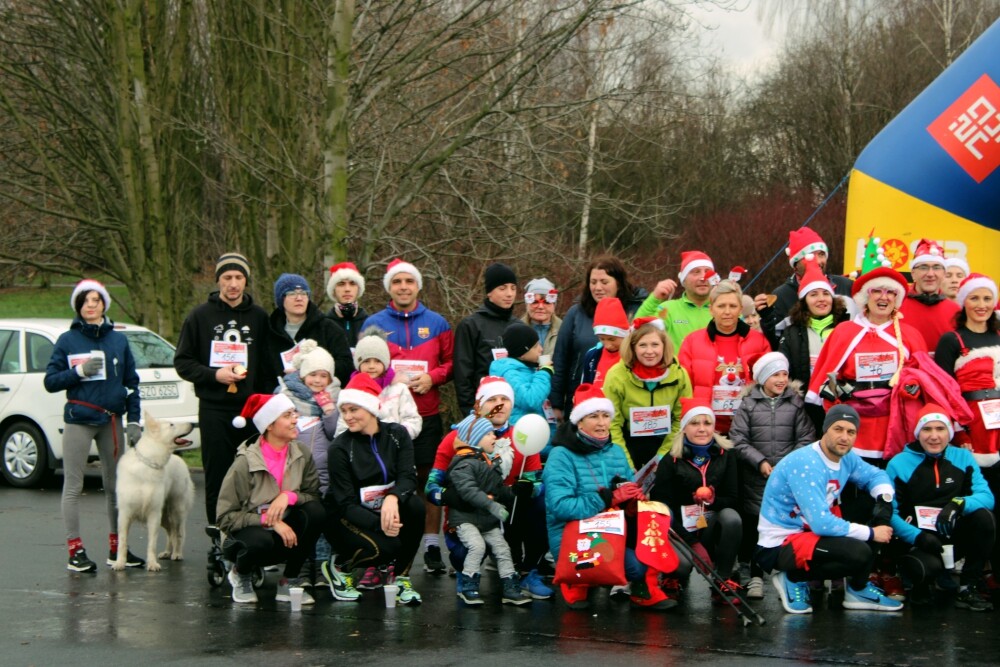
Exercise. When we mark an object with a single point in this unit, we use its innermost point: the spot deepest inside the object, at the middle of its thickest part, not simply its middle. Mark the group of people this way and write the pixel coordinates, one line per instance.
(803, 434)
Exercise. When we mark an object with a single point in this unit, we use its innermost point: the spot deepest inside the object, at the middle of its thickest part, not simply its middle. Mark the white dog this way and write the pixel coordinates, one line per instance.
(155, 487)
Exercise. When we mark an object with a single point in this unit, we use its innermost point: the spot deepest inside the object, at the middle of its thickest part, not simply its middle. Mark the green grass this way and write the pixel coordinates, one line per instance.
(192, 457)
(29, 301)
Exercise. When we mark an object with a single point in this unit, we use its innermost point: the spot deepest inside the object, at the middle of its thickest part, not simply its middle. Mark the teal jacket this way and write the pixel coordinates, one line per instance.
(531, 386)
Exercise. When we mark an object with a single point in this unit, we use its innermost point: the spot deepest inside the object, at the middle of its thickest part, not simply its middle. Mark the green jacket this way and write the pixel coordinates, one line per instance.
(680, 316)
(249, 484)
(626, 391)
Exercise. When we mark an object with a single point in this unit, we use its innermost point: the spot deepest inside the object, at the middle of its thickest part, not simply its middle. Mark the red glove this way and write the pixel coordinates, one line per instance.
(322, 398)
(626, 492)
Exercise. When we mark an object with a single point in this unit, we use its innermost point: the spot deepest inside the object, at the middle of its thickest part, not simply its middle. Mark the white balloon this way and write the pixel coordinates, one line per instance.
(531, 434)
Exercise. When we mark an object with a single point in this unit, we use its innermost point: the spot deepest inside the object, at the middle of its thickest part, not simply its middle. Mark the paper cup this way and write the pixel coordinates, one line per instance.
(390, 595)
(948, 556)
(295, 593)
(544, 359)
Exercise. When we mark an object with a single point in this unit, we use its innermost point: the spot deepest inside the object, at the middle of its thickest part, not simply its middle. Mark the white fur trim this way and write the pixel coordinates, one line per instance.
(990, 352)
(491, 389)
(959, 262)
(861, 298)
(806, 250)
(816, 284)
(608, 330)
(696, 412)
(271, 410)
(934, 417)
(589, 407)
(402, 267)
(345, 274)
(970, 285)
(926, 259)
(88, 285)
(362, 399)
(695, 264)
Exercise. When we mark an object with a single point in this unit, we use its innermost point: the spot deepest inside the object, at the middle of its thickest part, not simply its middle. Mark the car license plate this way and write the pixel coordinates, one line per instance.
(158, 391)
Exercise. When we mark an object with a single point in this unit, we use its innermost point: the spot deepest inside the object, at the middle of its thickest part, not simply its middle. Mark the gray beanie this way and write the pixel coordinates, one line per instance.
(372, 345)
(841, 412)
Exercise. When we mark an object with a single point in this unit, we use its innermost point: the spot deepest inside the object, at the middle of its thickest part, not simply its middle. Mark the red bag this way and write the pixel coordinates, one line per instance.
(593, 551)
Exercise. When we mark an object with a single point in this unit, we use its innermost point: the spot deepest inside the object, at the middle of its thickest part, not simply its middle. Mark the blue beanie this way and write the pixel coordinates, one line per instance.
(472, 429)
(288, 282)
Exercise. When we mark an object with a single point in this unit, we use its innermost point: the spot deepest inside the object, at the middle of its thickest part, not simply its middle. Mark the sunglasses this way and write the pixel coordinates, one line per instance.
(531, 297)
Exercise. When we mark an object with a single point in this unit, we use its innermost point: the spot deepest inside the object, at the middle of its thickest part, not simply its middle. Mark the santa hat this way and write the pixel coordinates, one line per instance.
(767, 365)
(813, 278)
(263, 409)
(712, 277)
(880, 277)
(344, 271)
(695, 407)
(736, 273)
(362, 392)
(610, 318)
(927, 252)
(399, 266)
(311, 358)
(803, 243)
(933, 413)
(973, 282)
(691, 260)
(491, 386)
(952, 262)
(652, 321)
(587, 400)
(87, 285)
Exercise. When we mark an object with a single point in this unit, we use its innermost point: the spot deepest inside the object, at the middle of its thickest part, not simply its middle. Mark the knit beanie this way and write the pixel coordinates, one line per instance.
(473, 429)
(539, 286)
(232, 261)
(768, 365)
(610, 318)
(311, 357)
(498, 274)
(87, 285)
(344, 271)
(372, 345)
(362, 392)
(289, 282)
(518, 338)
(841, 412)
(263, 409)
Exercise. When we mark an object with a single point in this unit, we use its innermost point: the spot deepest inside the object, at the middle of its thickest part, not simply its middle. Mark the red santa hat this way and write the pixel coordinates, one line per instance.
(491, 386)
(959, 262)
(363, 392)
(88, 285)
(933, 413)
(652, 321)
(973, 282)
(399, 266)
(610, 318)
(344, 271)
(587, 400)
(695, 407)
(880, 277)
(691, 260)
(927, 252)
(803, 243)
(263, 409)
(736, 273)
(813, 278)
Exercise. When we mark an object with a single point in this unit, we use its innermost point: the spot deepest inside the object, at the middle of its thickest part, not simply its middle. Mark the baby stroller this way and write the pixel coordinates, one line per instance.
(218, 566)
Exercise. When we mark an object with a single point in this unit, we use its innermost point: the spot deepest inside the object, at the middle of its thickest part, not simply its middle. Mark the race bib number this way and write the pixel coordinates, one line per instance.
(372, 497)
(812, 362)
(725, 399)
(990, 410)
(612, 522)
(226, 354)
(306, 423)
(550, 414)
(927, 517)
(409, 368)
(286, 357)
(499, 353)
(654, 420)
(875, 366)
(78, 359)
(694, 518)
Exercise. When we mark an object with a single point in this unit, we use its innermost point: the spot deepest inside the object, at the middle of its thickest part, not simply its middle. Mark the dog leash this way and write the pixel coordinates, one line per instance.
(114, 426)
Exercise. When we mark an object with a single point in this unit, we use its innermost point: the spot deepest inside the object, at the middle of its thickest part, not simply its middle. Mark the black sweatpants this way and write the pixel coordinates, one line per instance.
(834, 557)
(973, 540)
(219, 441)
(360, 547)
(256, 546)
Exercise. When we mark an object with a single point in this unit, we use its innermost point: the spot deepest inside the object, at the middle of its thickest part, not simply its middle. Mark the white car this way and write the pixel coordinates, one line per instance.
(31, 419)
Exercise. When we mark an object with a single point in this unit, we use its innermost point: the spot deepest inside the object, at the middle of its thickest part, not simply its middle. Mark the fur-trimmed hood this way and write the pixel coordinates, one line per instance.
(677, 448)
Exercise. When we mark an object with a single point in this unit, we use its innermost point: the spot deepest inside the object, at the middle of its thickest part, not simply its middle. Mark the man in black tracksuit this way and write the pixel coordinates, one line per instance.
(221, 351)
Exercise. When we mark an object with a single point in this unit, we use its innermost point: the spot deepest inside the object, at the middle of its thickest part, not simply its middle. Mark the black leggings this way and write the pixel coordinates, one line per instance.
(974, 538)
(992, 476)
(721, 540)
(360, 547)
(526, 534)
(257, 546)
(834, 557)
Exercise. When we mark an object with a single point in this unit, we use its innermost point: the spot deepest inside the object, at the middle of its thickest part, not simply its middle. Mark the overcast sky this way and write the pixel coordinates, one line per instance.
(738, 36)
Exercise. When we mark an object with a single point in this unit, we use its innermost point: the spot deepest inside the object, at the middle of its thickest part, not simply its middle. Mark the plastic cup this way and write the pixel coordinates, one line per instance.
(948, 556)
(390, 595)
(295, 593)
(545, 360)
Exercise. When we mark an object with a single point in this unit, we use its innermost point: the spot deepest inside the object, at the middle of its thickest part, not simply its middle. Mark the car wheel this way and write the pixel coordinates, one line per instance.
(25, 455)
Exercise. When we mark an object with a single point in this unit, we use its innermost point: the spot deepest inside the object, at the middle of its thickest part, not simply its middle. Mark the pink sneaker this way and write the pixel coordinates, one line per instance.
(371, 579)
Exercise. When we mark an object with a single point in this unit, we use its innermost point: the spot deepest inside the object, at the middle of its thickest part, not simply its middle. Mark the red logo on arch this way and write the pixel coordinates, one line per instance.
(969, 129)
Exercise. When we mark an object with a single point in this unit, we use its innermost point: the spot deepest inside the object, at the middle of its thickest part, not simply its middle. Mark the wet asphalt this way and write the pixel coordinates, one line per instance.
(51, 616)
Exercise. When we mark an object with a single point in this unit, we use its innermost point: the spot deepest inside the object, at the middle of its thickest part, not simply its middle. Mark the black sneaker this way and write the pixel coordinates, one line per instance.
(131, 560)
(79, 562)
(969, 598)
(432, 561)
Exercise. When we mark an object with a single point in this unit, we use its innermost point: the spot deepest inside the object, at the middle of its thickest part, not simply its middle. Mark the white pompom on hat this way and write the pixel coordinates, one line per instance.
(311, 358)
(88, 285)
(344, 271)
(263, 409)
(399, 266)
(587, 400)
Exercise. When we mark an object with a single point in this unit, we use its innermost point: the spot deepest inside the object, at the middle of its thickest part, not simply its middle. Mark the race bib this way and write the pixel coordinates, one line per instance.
(550, 414)
(654, 420)
(812, 362)
(306, 423)
(286, 357)
(990, 410)
(226, 354)
(499, 353)
(694, 518)
(612, 522)
(927, 517)
(875, 366)
(373, 496)
(78, 359)
(409, 368)
(725, 399)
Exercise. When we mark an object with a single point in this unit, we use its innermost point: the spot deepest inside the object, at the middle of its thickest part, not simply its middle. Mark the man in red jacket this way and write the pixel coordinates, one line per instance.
(925, 308)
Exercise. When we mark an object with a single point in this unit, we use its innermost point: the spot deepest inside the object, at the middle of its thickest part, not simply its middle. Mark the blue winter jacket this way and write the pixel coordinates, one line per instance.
(932, 482)
(531, 387)
(118, 394)
(572, 476)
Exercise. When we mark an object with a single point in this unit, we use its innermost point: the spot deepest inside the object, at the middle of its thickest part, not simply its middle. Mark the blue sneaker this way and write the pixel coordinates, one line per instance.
(534, 587)
(871, 598)
(794, 595)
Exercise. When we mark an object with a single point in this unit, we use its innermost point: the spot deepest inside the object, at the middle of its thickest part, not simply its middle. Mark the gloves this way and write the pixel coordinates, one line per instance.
(134, 432)
(435, 496)
(322, 398)
(626, 492)
(524, 490)
(929, 543)
(606, 495)
(498, 511)
(92, 367)
(881, 513)
(948, 518)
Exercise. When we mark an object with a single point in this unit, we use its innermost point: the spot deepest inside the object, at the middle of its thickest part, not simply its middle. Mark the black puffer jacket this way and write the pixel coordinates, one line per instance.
(765, 430)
